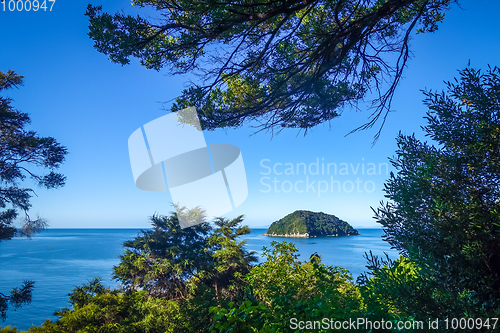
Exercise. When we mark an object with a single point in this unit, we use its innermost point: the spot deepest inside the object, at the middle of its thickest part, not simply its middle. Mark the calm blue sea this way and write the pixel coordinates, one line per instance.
(60, 259)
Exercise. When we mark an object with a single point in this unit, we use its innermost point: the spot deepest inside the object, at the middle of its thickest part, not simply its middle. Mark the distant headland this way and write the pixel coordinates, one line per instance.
(304, 223)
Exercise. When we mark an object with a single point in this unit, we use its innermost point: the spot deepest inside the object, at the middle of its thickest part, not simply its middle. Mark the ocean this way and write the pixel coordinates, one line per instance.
(60, 259)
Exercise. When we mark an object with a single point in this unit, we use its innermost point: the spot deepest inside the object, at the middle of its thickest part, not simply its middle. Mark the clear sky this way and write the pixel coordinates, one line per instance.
(91, 106)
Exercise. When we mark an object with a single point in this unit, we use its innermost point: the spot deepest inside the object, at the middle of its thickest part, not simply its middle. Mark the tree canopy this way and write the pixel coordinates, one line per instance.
(443, 208)
(170, 278)
(171, 262)
(23, 153)
(286, 64)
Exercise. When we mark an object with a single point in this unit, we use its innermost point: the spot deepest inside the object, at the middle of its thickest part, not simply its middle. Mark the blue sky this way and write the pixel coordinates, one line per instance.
(91, 106)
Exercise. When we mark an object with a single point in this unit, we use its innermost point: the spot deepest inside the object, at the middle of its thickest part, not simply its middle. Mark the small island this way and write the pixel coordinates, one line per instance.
(303, 223)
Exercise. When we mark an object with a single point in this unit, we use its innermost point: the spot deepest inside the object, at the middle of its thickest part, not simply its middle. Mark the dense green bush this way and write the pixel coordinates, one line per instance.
(170, 276)
(444, 204)
(96, 309)
(283, 288)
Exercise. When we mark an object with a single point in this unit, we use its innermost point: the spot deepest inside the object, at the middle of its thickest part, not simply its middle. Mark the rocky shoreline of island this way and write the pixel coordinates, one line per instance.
(288, 235)
(302, 235)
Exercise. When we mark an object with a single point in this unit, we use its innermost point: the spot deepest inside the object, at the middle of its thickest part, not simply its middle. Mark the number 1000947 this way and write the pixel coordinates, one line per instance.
(27, 5)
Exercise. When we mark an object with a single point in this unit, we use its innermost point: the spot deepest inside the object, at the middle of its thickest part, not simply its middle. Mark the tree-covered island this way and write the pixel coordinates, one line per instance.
(303, 223)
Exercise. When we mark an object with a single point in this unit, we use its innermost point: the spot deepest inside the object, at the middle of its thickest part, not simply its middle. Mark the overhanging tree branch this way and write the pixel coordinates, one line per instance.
(284, 64)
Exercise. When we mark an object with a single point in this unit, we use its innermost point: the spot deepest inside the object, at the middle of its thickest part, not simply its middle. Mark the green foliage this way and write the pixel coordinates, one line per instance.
(395, 289)
(287, 64)
(98, 309)
(172, 262)
(442, 216)
(221, 282)
(248, 317)
(314, 224)
(284, 288)
(231, 260)
(170, 276)
(162, 260)
(21, 153)
(444, 206)
(401, 291)
(17, 298)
